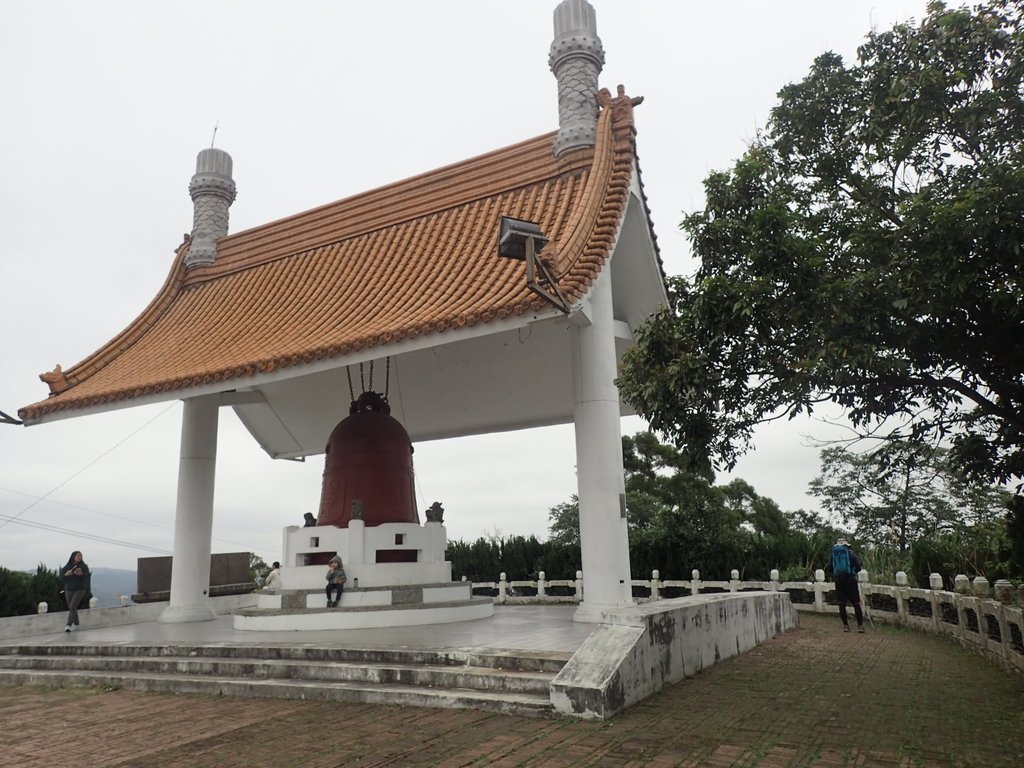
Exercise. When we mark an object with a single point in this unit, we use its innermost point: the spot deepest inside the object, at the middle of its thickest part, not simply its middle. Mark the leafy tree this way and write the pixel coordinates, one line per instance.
(564, 525)
(258, 568)
(979, 550)
(46, 587)
(1015, 533)
(679, 520)
(21, 592)
(518, 557)
(865, 250)
(903, 492)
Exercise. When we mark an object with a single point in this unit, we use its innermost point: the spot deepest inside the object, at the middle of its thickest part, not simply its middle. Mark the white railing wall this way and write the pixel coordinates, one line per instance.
(986, 619)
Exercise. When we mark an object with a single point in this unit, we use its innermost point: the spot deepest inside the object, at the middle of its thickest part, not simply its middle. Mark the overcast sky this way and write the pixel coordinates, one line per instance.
(106, 105)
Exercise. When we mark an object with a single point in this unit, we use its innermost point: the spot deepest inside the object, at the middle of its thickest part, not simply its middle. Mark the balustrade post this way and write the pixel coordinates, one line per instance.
(864, 585)
(962, 587)
(935, 582)
(1004, 591)
(961, 584)
(42, 608)
(979, 587)
(542, 587)
(694, 582)
(980, 590)
(819, 590)
(655, 575)
(1004, 596)
(773, 580)
(734, 580)
(502, 589)
(902, 597)
(579, 586)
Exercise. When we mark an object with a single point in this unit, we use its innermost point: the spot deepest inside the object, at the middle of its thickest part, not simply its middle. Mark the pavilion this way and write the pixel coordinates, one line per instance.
(272, 320)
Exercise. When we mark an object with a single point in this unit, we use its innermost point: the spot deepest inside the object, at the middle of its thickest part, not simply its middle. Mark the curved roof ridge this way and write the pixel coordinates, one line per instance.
(409, 259)
(595, 219)
(136, 328)
(516, 165)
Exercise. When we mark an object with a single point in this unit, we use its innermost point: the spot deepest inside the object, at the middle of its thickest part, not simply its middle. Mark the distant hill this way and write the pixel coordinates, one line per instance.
(108, 583)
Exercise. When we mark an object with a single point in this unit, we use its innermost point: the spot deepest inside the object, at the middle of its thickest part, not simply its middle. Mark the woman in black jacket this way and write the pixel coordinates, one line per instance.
(76, 584)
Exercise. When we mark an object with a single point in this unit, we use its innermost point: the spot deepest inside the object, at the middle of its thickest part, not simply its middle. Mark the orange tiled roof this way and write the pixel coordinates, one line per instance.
(412, 258)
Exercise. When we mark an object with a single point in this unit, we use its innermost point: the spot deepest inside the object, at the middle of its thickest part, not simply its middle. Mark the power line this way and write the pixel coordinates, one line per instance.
(5, 519)
(87, 466)
(110, 514)
(82, 535)
(89, 509)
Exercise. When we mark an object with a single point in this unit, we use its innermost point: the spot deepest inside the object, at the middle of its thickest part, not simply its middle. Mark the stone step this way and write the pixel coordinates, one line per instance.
(516, 682)
(313, 690)
(524, 661)
(430, 676)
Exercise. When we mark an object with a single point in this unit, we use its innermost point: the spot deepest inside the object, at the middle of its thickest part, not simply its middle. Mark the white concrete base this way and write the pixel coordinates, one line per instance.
(390, 616)
(180, 614)
(641, 649)
(394, 606)
(591, 613)
(368, 575)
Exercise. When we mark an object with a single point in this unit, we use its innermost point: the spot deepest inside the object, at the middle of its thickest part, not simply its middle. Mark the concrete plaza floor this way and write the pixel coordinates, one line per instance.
(517, 627)
(813, 697)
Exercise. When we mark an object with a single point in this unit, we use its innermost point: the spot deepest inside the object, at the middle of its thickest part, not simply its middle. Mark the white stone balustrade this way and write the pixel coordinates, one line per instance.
(989, 621)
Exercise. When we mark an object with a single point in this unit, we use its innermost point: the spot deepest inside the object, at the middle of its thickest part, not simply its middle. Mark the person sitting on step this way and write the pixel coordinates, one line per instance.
(335, 580)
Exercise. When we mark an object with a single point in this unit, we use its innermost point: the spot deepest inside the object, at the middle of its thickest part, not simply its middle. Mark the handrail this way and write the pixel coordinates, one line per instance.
(987, 620)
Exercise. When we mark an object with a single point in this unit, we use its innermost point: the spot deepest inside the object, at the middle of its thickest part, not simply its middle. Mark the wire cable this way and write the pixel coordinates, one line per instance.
(87, 466)
(82, 535)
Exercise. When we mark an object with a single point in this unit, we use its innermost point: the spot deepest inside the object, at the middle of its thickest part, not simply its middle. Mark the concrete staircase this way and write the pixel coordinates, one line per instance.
(508, 682)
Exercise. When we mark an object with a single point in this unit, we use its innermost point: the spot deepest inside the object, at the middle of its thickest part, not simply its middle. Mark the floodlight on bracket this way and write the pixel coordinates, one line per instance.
(5, 419)
(523, 240)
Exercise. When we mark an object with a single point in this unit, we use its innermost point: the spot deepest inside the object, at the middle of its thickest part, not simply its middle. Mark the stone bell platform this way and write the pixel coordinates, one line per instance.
(397, 577)
(365, 608)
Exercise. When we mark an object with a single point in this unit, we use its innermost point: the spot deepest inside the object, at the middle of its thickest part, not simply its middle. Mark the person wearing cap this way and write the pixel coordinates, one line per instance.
(845, 565)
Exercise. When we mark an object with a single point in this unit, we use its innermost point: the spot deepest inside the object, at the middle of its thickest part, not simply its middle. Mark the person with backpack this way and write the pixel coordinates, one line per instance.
(845, 565)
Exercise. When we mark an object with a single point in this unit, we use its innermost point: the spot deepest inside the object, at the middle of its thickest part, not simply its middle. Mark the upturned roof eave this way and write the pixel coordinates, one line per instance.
(582, 250)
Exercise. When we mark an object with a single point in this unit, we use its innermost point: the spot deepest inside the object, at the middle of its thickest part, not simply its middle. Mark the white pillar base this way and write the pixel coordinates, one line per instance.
(182, 614)
(590, 614)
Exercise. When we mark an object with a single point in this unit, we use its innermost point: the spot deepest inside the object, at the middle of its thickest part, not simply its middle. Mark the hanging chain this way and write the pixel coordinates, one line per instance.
(363, 382)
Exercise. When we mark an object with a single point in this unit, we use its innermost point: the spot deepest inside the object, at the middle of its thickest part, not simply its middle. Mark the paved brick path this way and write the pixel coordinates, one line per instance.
(815, 697)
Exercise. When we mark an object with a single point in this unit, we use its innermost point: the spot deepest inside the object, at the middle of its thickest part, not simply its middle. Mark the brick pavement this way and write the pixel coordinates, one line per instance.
(815, 697)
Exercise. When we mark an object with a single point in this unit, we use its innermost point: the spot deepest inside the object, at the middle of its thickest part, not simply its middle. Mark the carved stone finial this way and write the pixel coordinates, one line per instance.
(576, 59)
(56, 379)
(357, 509)
(212, 190)
(621, 105)
(435, 513)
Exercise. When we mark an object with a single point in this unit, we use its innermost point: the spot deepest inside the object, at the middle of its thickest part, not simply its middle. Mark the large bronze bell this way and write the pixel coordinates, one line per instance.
(369, 461)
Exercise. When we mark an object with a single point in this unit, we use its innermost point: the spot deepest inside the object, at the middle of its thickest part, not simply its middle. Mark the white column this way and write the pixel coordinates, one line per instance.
(193, 522)
(603, 534)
